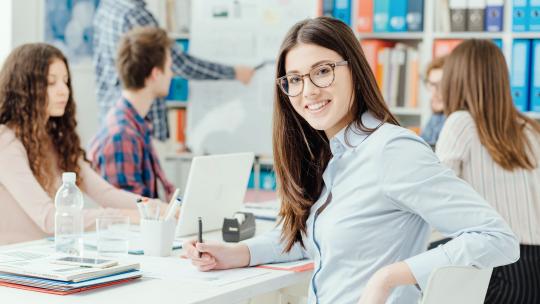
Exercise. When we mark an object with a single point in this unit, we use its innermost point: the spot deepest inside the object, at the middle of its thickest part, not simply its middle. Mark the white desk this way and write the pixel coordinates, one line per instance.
(151, 291)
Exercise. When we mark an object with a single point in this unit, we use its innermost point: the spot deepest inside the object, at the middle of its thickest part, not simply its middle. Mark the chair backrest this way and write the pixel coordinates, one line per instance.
(457, 284)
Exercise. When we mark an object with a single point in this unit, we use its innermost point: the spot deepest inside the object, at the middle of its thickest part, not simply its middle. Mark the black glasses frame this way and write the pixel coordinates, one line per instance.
(333, 65)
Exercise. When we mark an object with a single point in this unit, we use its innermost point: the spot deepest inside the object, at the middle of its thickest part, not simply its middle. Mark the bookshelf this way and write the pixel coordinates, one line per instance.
(425, 40)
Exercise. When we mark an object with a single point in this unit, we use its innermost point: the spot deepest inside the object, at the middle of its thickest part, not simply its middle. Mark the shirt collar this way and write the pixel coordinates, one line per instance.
(132, 116)
(351, 136)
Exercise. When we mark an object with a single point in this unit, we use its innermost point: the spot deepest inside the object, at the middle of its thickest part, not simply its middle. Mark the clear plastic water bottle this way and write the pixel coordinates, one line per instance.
(68, 219)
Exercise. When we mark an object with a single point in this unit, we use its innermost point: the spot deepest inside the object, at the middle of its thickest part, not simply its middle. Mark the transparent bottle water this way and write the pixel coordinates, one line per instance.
(68, 219)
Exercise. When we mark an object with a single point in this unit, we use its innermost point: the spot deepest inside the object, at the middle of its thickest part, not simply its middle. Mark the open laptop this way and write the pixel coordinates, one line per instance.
(215, 189)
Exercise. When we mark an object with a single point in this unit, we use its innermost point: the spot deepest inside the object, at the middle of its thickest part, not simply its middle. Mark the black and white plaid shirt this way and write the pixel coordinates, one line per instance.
(114, 18)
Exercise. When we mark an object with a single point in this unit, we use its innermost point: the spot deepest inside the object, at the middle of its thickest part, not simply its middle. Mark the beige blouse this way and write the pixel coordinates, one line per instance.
(27, 210)
(514, 194)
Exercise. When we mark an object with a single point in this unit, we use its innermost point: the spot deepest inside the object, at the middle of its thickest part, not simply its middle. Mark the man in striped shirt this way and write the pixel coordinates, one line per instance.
(116, 17)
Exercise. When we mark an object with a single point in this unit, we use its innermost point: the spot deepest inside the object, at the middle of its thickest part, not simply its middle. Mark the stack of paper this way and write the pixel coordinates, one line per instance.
(37, 272)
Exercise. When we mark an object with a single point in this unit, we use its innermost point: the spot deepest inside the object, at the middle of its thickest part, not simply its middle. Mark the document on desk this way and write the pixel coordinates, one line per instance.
(182, 270)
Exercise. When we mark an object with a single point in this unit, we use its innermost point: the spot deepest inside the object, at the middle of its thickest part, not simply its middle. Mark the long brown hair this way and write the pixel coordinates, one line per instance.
(23, 108)
(475, 79)
(302, 153)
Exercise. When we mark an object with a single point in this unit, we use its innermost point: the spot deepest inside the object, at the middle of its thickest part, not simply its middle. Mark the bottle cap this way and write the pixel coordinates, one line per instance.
(69, 177)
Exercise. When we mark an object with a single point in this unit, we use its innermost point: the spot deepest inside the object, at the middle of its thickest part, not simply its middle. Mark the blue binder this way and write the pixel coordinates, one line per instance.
(381, 15)
(520, 15)
(494, 16)
(328, 8)
(498, 43)
(398, 16)
(534, 15)
(415, 15)
(535, 77)
(178, 90)
(519, 78)
(342, 11)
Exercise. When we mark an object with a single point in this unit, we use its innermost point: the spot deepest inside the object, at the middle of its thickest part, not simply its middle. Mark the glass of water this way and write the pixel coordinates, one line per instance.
(112, 235)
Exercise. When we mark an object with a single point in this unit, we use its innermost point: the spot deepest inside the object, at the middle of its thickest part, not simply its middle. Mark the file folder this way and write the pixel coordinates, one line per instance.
(520, 16)
(381, 16)
(398, 15)
(494, 15)
(534, 16)
(458, 15)
(415, 15)
(328, 8)
(535, 77)
(342, 11)
(364, 16)
(519, 78)
(475, 15)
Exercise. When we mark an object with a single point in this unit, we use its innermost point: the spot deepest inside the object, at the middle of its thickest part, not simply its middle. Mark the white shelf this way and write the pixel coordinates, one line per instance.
(406, 111)
(526, 35)
(392, 36)
(533, 115)
(176, 36)
(468, 35)
(173, 104)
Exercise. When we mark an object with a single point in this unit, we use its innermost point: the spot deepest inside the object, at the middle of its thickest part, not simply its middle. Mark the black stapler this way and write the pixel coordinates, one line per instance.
(238, 228)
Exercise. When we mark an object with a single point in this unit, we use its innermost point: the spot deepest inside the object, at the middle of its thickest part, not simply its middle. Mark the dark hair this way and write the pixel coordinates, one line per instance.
(141, 50)
(23, 108)
(302, 153)
(475, 79)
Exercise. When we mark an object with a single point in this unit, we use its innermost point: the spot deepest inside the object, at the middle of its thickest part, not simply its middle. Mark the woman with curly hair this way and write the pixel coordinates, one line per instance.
(38, 141)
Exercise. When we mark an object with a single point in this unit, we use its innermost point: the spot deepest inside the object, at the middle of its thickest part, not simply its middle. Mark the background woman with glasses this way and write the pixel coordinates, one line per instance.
(358, 193)
(434, 73)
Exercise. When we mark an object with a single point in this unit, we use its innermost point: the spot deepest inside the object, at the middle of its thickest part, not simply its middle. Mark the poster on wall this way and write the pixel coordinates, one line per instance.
(68, 26)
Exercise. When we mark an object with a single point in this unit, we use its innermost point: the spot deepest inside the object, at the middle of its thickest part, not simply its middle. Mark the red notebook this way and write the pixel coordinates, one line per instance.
(63, 293)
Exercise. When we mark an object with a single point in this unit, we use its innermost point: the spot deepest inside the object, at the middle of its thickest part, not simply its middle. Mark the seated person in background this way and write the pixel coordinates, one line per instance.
(434, 74)
(122, 151)
(38, 142)
(496, 149)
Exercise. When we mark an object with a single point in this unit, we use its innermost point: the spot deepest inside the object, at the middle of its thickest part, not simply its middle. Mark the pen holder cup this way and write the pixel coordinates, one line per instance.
(157, 237)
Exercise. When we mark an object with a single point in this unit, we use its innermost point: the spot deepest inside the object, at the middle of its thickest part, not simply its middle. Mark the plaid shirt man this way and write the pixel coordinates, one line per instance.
(123, 154)
(116, 17)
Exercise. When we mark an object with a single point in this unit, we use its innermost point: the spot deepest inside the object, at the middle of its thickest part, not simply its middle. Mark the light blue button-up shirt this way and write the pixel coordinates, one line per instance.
(386, 190)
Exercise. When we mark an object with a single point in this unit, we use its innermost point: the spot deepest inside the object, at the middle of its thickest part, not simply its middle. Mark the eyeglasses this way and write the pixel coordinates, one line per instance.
(321, 76)
(430, 85)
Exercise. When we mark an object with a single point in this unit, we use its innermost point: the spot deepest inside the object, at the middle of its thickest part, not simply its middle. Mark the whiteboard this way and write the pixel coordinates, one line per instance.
(227, 116)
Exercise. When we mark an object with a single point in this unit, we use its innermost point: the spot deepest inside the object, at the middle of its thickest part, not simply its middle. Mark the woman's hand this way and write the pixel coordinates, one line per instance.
(382, 282)
(216, 255)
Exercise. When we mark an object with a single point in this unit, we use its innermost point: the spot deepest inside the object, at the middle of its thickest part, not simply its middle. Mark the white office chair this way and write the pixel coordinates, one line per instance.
(457, 284)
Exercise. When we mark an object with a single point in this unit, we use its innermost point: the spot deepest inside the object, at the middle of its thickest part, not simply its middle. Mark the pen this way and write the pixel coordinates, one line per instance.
(262, 64)
(200, 234)
(142, 211)
(171, 202)
(172, 210)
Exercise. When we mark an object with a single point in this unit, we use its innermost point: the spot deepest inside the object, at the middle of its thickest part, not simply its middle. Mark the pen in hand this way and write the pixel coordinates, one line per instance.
(200, 234)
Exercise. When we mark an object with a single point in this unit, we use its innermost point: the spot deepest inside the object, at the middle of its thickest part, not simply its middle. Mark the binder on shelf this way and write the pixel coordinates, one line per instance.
(494, 15)
(364, 16)
(535, 77)
(381, 17)
(519, 76)
(327, 7)
(475, 15)
(415, 15)
(342, 11)
(458, 15)
(397, 16)
(534, 16)
(498, 43)
(178, 90)
(183, 44)
(371, 49)
(443, 47)
(520, 15)
(412, 79)
(442, 16)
